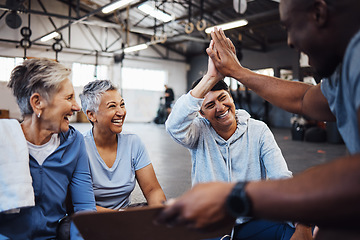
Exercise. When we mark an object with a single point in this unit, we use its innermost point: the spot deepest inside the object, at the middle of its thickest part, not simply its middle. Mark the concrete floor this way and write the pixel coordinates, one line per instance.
(172, 163)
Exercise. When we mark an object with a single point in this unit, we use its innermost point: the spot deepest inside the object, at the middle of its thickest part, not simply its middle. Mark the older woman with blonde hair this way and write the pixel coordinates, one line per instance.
(117, 158)
(57, 157)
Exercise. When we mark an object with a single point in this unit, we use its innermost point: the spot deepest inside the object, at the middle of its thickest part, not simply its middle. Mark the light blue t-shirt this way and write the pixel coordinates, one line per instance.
(113, 186)
(342, 90)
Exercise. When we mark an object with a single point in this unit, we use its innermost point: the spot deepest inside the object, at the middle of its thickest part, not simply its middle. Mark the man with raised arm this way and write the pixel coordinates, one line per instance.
(327, 195)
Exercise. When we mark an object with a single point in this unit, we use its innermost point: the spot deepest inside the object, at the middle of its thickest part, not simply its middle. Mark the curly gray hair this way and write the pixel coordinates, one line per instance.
(42, 76)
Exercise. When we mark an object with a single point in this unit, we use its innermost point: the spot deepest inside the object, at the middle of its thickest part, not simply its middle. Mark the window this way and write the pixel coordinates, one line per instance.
(84, 73)
(232, 83)
(265, 71)
(143, 79)
(7, 64)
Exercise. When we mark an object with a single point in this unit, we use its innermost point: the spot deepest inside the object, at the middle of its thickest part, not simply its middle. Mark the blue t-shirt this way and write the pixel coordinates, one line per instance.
(342, 90)
(113, 186)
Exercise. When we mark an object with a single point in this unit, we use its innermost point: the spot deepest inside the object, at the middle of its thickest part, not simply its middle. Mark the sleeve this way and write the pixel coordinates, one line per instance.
(182, 123)
(271, 156)
(82, 193)
(352, 68)
(74, 232)
(141, 157)
(324, 87)
(356, 93)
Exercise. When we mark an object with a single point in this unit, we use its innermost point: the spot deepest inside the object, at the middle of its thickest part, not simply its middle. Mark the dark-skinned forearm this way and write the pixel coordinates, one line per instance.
(323, 195)
(285, 94)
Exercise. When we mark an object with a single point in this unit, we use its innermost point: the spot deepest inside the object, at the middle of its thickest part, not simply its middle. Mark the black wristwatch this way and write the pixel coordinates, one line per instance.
(238, 204)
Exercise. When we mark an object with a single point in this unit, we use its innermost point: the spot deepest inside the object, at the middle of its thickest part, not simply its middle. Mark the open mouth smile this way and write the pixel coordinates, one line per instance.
(67, 117)
(117, 121)
(223, 115)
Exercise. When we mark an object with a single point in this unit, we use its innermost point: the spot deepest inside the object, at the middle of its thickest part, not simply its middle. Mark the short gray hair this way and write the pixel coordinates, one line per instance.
(42, 76)
(92, 92)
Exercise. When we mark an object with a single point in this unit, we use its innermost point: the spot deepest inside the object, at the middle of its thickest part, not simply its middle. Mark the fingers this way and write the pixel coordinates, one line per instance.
(173, 215)
(212, 54)
(225, 39)
(169, 213)
(215, 50)
(179, 220)
(232, 47)
(211, 45)
(218, 38)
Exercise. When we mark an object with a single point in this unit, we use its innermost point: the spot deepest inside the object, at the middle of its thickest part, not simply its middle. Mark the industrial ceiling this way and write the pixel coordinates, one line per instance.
(184, 34)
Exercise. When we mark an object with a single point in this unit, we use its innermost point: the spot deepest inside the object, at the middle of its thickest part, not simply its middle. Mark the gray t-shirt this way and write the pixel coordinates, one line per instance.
(342, 90)
(113, 186)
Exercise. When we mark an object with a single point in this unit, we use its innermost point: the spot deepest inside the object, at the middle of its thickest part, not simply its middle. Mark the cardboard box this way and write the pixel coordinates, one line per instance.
(81, 117)
(4, 113)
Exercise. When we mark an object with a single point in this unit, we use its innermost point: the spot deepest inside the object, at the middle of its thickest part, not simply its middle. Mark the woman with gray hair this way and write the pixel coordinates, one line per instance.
(57, 156)
(116, 158)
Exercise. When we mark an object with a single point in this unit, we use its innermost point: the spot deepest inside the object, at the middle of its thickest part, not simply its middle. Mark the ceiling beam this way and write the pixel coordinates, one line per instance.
(35, 12)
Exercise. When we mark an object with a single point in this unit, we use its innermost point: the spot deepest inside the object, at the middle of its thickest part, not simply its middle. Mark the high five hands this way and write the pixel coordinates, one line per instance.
(223, 54)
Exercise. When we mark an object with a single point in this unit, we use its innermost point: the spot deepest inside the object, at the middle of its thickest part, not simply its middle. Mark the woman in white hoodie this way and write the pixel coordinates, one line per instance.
(228, 145)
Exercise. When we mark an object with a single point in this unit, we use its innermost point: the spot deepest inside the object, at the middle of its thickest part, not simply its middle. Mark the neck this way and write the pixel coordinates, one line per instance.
(227, 132)
(104, 138)
(34, 131)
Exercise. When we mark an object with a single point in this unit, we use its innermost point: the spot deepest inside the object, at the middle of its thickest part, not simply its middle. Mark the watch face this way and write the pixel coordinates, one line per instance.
(237, 202)
(237, 205)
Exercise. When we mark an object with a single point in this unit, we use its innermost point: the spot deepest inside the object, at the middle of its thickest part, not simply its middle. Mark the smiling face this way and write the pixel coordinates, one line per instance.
(309, 32)
(56, 112)
(219, 108)
(111, 114)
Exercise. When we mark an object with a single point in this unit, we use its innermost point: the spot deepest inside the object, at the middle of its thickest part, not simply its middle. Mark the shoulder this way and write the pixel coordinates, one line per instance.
(354, 44)
(352, 55)
(257, 126)
(257, 123)
(87, 135)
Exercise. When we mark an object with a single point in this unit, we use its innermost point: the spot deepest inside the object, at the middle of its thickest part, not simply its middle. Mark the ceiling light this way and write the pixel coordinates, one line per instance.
(136, 48)
(230, 25)
(156, 13)
(145, 31)
(116, 5)
(49, 36)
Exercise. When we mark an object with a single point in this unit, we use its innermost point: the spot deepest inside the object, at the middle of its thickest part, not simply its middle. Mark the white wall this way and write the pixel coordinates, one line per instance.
(142, 105)
(8, 102)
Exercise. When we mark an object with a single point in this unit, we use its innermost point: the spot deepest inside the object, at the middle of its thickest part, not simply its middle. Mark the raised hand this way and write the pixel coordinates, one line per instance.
(223, 54)
(212, 71)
